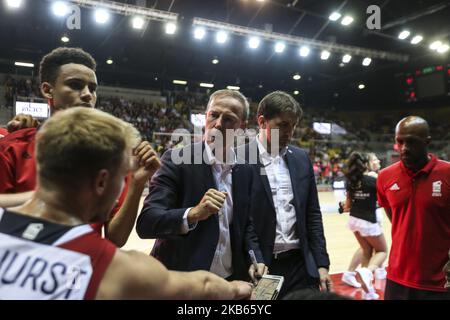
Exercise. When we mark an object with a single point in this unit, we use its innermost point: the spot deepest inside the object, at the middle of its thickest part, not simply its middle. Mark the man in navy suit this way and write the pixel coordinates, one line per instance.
(199, 200)
(284, 204)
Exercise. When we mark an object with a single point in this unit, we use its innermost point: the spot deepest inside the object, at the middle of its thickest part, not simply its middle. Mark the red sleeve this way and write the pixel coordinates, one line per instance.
(7, 174)
(381, 195)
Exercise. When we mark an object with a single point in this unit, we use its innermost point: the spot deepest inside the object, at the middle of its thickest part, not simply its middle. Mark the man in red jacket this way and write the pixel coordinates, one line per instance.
(415, 192)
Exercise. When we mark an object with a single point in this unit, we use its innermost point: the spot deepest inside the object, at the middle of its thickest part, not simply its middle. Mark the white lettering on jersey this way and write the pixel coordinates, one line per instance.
(437, 189)
(34, 271)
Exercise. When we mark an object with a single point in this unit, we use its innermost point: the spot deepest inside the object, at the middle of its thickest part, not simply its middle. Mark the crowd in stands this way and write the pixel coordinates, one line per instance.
(28, 87)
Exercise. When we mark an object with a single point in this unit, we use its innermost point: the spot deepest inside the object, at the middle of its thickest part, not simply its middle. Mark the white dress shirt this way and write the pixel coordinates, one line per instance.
(277, 172)
(222, 261)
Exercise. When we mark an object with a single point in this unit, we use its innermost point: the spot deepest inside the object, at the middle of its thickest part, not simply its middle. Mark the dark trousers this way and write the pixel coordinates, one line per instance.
(292, 267)
(396, 291)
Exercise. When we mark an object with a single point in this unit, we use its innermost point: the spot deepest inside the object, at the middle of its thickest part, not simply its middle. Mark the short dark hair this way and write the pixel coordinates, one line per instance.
(278, 102)
(50, 63)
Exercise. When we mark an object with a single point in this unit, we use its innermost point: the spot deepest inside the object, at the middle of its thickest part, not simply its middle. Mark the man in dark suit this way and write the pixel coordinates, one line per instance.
(199, 200)
(284, 205)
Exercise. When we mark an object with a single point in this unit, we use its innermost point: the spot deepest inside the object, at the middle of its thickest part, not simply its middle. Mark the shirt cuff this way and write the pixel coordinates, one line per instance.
(186, 227)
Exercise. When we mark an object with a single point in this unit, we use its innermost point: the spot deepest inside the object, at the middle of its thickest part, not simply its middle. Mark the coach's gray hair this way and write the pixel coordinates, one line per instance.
(233, 94)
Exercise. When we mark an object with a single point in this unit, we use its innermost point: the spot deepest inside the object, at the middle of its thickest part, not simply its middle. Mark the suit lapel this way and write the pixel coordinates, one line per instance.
(294, 167)
(261, 172)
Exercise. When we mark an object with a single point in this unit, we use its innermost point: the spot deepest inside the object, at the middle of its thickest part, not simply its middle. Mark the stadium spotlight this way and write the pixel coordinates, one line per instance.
(254, 42)
(215, 61)
(361, 86)
(199, 33)
(346, 20)
(101, 16)
(334, 16)
(404, 34)
(171, 28)
(206, 85)
(182, 82)
(435, 45)
(296, 92)
(443, 48)
(304, 51)
(416, 39)
(233, 88)
(366, 62)
(296, 76)
(346, 58)
(109, 61)
(60, 9)
(15, 4)
(279, 47)
(24, 64)
(65, 39)
(221, 37)
(138, 22)
(325, 55)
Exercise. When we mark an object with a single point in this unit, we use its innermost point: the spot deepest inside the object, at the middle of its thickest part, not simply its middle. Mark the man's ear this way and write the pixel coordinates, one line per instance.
(47, 90)
(262, 122)
(101, 182)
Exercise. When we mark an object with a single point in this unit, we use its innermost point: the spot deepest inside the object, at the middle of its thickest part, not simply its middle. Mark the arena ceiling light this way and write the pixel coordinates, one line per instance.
(325, 54)
(234, 88)
(215, 61)
(109, 61)
(366, 62)
(361, 86)
(404, 34)
(206, 85)
(296, 92)
(416, 39)
(171, 28)
(347, 20)
(279, 47)
(65, 39)
(253, 43)
(126, 9)
(101, 16)
(24, 64)
(296, 76)
(138, 22)
(443, 48)
(14, 4)
(288, 39)
(435, 45)
(60, 9)
(181, 82)
(221, 37)
(304, 51)
(335, 16)
(199, 33)
(346, 58)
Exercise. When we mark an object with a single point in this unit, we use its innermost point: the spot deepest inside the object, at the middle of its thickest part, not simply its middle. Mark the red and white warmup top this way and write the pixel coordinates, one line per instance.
(42, 260)
(420, 206)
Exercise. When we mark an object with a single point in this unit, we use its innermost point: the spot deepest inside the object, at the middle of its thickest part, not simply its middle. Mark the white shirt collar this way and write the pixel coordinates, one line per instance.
(265, 156)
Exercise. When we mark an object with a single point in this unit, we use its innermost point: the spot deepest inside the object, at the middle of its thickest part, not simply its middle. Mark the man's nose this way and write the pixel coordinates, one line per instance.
(86, 94)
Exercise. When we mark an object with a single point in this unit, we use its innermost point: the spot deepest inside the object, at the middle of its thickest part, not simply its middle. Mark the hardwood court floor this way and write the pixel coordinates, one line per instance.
(341, 243)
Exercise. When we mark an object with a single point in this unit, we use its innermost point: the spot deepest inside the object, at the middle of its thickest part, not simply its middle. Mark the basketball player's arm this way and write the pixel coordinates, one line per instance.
(15, 199)
(147, 162)
(134, 275)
